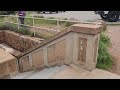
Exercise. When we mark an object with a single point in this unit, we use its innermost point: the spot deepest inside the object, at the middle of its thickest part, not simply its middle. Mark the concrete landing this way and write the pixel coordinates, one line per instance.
(73, 72)
(67, 72)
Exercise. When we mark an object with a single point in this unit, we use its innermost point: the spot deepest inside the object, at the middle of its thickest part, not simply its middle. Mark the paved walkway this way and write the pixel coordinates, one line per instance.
(114, 33)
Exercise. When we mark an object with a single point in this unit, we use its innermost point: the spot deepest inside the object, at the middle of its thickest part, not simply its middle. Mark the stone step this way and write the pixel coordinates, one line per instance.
(43, 74)
(54, 72)
(22, 75)
(40, 76)
(31, 74)
(51, 73)
(36, 74)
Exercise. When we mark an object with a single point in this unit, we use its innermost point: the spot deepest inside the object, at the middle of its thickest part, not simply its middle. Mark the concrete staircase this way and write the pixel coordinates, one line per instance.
(43, 74)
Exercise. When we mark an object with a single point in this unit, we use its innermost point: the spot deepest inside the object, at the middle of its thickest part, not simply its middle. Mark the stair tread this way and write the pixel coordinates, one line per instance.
(43, 74)
(54, 72)
(22, 75)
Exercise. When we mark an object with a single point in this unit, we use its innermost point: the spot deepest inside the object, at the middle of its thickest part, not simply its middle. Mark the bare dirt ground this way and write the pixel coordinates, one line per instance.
(114, 33)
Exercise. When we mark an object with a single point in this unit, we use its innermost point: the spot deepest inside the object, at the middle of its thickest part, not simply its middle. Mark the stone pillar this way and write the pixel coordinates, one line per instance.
(86, 42)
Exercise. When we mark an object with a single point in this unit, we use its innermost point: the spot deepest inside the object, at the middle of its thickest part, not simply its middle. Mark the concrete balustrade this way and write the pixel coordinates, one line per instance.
(76, 45)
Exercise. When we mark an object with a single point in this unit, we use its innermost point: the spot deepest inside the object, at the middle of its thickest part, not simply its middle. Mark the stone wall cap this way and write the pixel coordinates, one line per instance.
(87, 28)
(4, 56)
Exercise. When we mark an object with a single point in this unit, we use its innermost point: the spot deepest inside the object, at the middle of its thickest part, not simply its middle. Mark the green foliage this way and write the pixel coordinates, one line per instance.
(12, 27)
(23, 30)
(7, 12)
(104, 39)
(104, 58)
(3, 26)
(67, 24)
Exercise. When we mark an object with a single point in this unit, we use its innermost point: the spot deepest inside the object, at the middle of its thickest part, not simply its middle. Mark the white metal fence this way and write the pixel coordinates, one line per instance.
(57, 29)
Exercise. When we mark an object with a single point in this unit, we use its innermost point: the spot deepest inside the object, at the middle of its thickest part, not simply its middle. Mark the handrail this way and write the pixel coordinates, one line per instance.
(33, 23)
(50, 19)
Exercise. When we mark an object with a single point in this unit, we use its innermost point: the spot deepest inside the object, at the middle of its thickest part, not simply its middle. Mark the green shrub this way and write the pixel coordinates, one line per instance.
(67, 24)
(24, 31)
(105, 39)
(104, 60)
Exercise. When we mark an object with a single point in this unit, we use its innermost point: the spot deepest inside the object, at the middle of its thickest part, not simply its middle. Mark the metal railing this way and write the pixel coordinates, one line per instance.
(33, 22)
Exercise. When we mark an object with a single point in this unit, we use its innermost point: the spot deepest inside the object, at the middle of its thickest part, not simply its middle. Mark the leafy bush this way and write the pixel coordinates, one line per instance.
(104, 58)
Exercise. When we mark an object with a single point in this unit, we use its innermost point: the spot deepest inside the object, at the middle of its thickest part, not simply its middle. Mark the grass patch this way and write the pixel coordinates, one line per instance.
(41, 35)
(12, 27)
(47, 22)
(11, 19)
(3, 26)
(41, 22)
(23, 30)
(39, 16)
(28, 21)
(2, 19)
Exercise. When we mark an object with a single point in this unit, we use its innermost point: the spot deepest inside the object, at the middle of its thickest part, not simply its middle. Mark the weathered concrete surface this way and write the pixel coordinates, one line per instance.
(73, 72)
(8, 63)
(16, 52)
(2, 37)
(77, 44)
(18, 42)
